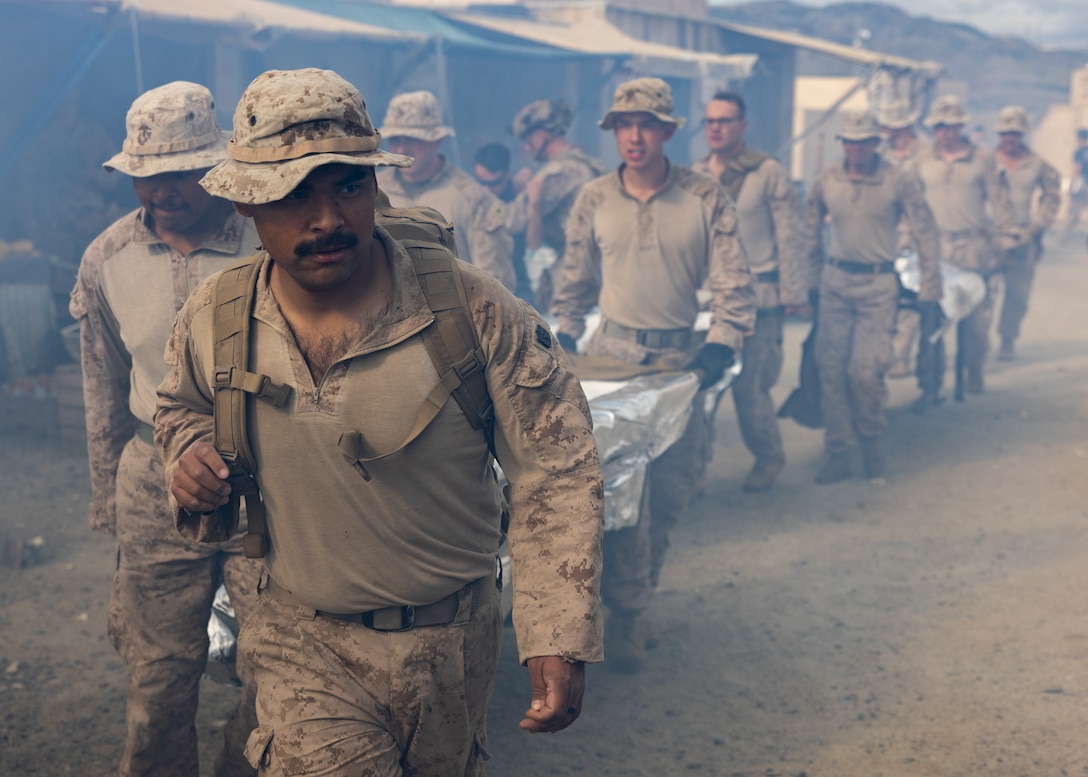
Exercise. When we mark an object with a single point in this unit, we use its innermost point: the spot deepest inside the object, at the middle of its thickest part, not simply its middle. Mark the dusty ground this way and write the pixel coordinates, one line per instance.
(934, 625)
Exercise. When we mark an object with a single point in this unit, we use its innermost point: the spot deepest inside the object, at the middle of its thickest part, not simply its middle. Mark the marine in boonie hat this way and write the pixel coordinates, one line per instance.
(898, 114)
(1012, 118)
(857, 126)
(288, 123)
(642, 95)
(170, 129)
(415, 115)
(947, 110)
(554, 116)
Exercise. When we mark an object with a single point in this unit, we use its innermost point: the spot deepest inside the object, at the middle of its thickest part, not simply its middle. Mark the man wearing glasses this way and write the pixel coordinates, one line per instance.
(769, 211)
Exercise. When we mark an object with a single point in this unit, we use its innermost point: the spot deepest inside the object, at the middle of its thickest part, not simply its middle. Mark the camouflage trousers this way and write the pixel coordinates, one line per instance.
(905, 343)
(856, 323)
(756, 413)
(338, 699)
(1019, 266)
(158, 623)
(634, 556)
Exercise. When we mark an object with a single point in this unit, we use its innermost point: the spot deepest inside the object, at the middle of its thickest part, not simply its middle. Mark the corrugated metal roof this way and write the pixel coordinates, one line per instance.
(597, 36)
(832, 49)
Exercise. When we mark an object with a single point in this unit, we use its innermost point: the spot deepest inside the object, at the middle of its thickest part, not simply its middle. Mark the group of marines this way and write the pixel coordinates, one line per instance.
(647, 243)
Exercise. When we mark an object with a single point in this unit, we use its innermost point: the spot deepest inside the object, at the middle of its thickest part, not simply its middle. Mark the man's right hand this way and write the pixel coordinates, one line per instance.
(200, 481)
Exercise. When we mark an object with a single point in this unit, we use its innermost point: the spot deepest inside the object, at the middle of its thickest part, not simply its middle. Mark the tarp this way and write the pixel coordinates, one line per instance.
(599, 37)
(421, 21)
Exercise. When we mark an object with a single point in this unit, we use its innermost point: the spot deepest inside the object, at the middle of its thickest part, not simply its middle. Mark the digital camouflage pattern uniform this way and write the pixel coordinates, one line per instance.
(418, 527)
(130, 286)
(643, 263)
(1019, 225)
(960, 194)
(563, 175)
(859, 290)
(478, 216)
(769, 215)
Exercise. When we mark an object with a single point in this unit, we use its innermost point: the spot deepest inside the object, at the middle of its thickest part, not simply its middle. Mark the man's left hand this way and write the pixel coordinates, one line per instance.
(711, 363)
(558, 687)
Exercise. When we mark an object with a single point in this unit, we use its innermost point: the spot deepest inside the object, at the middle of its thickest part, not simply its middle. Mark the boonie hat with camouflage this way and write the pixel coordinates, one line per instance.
(1012, 118)
(898, 114)
(415, 115)
(642, 95)
(947, 110)
(170, 129)
(288, 123)
(858, 125)
(554, 116)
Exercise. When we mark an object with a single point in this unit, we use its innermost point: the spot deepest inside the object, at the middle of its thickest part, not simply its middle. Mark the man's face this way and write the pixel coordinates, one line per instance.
(860, 153)
(723, 126)
(947, 134)
(641, 139)
(425, 152)
(495, 182)
(320, 233)
(1010, 142)
(176, 202)
(536, 143)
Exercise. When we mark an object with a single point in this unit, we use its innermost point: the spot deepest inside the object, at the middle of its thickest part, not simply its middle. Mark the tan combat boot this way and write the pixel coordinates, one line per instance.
(872, 457)
(836, 467)
(763, 473)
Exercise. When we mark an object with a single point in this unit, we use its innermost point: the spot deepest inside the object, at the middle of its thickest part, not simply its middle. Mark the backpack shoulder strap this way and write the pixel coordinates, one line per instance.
(737, 170)
(233, 297)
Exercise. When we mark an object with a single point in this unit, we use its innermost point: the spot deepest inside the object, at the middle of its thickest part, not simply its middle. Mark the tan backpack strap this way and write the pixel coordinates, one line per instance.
(737, 170)
(235, 291)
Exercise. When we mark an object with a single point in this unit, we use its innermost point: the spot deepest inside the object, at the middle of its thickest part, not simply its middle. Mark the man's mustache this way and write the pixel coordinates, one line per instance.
(337, 241)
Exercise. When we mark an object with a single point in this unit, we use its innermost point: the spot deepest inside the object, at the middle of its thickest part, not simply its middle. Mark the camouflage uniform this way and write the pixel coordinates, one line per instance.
(643, 263)
(859, 289)
(1020, 226)
(131, 284)
(960, 194)
(478, 216)
(563, 174)
(419, 527)
(769, 215)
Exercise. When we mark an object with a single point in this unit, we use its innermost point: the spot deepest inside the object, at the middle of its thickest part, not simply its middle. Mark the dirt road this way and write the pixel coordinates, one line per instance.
(935, 625)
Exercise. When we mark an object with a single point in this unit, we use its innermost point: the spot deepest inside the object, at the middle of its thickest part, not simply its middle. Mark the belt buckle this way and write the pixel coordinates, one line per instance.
(407, 620)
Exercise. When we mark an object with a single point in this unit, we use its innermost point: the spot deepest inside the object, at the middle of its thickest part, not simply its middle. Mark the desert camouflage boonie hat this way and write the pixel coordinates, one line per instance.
(947, 110)
(415, 115)
(1012, 118)
(170, 129)
(858, 125)
(554, 116)
(287, 124)
(642, 95)
(898, 115)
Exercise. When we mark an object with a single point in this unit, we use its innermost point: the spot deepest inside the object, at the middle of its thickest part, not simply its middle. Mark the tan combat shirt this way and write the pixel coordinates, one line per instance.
(769, 212)
(864, 214)
(957, 192)
(564, 176)
(427, 521)
(478, 216)
(130, 287)
(1018, 217)
(643, 262)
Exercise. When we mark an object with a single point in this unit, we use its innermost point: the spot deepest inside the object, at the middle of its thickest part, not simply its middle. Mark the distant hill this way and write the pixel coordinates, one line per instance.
(998, 70)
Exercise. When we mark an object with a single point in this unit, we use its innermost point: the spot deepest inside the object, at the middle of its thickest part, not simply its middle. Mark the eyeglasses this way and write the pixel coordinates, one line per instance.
(718, 122)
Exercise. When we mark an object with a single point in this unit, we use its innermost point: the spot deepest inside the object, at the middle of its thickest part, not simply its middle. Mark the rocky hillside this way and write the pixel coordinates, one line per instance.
(998, 70)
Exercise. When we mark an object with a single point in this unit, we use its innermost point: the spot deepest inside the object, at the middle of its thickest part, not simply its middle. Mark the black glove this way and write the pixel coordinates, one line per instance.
(711, 363)
(566, 342)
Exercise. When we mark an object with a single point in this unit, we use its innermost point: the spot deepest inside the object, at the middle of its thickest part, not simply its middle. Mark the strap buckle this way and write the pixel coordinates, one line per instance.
(407, 619)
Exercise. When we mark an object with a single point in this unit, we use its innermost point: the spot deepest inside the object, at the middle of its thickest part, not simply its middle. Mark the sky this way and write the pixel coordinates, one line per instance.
(1052, 23)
